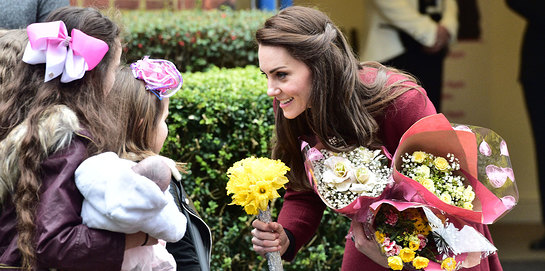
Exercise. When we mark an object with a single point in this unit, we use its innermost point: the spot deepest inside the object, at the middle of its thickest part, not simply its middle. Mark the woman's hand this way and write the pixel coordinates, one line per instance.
(139, 239)
(269, 237)
(368, 247)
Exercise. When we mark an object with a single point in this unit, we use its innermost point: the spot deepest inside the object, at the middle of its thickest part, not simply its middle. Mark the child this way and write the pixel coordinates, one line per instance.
(117, 198)
(141, 116)
(49, 123)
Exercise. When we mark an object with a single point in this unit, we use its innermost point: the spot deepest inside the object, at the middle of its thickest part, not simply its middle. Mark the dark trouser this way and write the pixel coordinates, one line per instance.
(534, 93)
(428, 69)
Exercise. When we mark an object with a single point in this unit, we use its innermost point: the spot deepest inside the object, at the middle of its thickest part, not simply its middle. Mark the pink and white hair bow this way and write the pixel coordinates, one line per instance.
(70, 56)
(161, 76)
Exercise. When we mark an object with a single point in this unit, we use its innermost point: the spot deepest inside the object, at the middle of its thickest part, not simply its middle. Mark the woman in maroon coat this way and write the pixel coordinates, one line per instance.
(322, 92)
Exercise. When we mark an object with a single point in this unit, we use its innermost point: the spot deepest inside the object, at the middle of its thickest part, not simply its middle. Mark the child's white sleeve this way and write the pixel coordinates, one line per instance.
(117, 198)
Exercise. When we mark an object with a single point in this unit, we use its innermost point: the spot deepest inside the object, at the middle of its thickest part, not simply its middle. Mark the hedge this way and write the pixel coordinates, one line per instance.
(219, 117)
(193, 39)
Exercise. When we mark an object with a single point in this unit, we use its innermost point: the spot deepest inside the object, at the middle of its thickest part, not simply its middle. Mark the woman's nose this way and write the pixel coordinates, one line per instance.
(272, 91)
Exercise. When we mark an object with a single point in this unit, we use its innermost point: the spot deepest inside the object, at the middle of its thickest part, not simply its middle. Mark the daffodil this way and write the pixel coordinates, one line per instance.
(254, 182)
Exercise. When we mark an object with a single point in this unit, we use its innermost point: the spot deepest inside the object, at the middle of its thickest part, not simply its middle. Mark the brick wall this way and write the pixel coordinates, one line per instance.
(140, 4)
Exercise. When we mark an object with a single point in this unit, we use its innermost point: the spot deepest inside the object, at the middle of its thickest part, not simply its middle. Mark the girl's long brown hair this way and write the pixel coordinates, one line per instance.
(340, 104)
(27, 96)
(138, 113)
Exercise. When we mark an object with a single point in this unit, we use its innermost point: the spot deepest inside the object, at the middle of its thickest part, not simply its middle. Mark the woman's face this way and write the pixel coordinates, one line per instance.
(289, 80)
(110, 75)
(162, 128)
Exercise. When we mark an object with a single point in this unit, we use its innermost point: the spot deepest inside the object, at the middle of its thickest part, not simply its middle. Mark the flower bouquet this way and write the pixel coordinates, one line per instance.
(348, 182)
(253, 183)
(484, 170)
(417, 237)
(437, 175)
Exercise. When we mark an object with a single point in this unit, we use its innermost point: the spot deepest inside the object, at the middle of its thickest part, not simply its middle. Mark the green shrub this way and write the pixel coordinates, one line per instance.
(219, 117)
(194, 39)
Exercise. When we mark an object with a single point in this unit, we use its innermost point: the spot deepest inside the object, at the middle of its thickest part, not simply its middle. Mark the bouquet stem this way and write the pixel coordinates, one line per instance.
(273, 258)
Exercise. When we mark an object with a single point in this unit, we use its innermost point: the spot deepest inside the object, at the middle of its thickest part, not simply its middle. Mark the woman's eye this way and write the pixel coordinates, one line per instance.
(281, 75)
(265, 75)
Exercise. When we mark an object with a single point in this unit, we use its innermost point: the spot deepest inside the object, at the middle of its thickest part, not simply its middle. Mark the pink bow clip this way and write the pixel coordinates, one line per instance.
(161, 76)
(70, 56)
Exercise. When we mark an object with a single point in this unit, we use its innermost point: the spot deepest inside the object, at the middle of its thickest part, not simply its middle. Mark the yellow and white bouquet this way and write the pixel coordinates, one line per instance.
(437, 174)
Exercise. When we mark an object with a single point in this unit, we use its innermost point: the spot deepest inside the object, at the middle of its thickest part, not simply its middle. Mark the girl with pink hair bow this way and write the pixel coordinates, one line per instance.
(52, 117)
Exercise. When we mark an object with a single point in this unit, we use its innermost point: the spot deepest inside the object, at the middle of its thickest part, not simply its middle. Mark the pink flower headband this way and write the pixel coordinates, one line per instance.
(161, 76)
(70, 56)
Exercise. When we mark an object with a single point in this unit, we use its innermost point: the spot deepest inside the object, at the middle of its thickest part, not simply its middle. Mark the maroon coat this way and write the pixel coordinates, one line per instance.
(302, 211)
(63, 242)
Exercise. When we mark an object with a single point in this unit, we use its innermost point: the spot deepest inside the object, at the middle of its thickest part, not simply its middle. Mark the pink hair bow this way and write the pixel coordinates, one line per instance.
(70, 56)
(161, 76)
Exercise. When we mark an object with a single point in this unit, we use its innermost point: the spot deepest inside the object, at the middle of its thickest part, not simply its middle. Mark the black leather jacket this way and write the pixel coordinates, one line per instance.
(193, 251)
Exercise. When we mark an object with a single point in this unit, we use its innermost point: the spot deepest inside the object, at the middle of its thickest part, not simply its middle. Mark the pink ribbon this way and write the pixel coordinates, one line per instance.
(69, 56)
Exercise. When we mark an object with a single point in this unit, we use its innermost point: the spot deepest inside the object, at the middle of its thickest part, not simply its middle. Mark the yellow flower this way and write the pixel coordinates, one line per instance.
(414, 245)
(395, 263)
(262, 192)
(419, 156)
(441, 163)
(340, 169)
(362, 174)
(428, 184)
(254, 182)
(406, 254)
(420, 262)
(448, 264)
(422, 171)
(379, 236)
(446, 198)
(468, 206)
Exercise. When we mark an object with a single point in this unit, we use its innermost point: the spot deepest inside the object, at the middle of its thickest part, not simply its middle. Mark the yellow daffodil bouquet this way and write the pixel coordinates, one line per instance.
(253, 183)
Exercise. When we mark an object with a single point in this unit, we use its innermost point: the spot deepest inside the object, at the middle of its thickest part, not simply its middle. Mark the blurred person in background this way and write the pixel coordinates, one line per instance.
(414, 36)
(531, 69)
(20, 13)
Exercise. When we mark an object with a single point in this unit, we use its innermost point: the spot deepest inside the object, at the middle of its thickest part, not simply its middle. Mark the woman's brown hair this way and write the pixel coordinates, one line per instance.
(29, 96)
(12, 46)
(341, 106)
